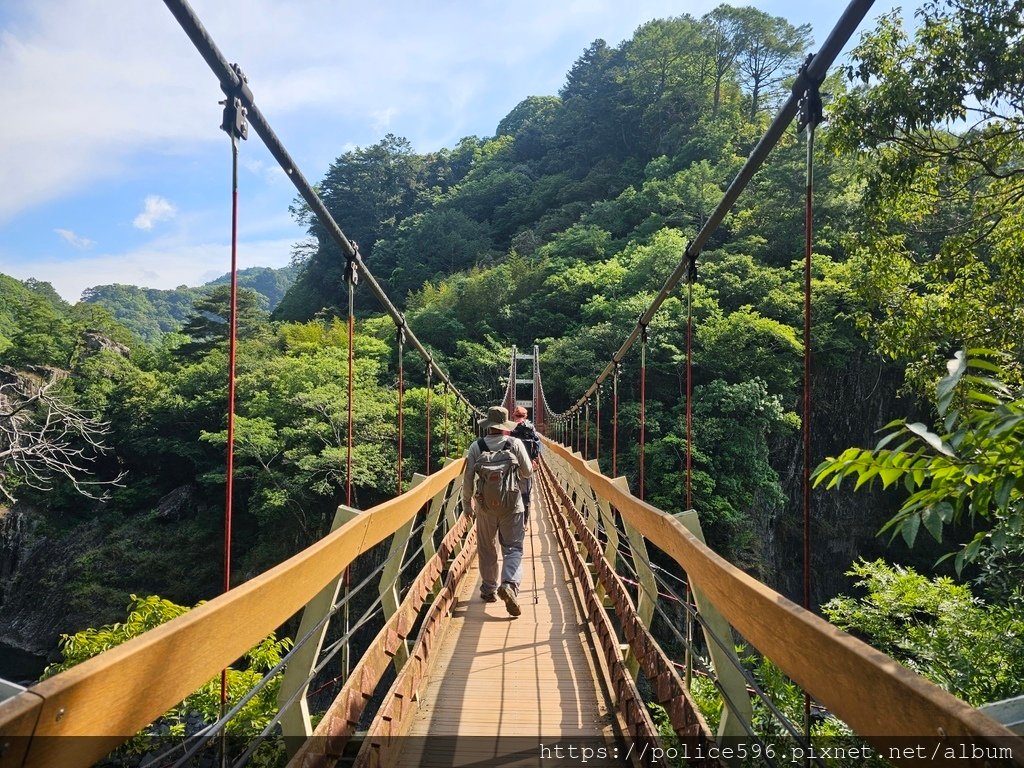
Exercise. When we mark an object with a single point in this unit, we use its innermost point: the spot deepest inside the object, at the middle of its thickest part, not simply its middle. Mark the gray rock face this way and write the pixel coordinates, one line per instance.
(20, 545)
(95, 342)
(849, 405)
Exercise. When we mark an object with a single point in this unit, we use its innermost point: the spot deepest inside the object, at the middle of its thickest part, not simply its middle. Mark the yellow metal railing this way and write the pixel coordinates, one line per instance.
(112, 696)
(886, 704)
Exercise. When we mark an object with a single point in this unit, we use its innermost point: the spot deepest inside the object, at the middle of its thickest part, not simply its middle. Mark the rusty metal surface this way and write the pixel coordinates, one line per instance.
(668, 686)
(642, 731)
(381, 745)
(342, 717)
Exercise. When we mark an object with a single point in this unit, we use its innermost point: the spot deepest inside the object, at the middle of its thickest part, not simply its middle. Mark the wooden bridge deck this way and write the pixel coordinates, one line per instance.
(500, 676)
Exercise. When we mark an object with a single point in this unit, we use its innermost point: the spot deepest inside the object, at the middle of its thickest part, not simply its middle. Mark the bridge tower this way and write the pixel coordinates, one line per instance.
(524, 381)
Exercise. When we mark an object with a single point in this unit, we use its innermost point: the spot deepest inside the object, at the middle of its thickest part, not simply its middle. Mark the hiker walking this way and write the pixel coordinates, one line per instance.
(526, 432)
(496, 464)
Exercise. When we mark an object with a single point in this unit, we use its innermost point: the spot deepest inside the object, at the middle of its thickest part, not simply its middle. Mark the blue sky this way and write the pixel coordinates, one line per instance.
(112, 164)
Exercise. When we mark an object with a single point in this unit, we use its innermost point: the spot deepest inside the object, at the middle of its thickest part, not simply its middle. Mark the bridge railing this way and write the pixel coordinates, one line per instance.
(890, 707)
(110, 697)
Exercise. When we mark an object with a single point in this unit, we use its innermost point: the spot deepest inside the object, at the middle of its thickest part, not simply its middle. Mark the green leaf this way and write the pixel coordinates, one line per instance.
(981, 397)
(931, 438)
(1008, 424)
(885, 441)
(889, 476)
(932, 519)
(985, 365)
(1004, 485)
(910, 528)
(865, 476)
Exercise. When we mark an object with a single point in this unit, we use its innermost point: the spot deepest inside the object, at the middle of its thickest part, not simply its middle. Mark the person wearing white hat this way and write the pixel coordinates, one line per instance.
(501, 526)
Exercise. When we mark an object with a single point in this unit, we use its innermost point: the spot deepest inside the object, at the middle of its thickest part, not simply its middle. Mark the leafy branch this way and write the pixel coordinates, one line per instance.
(974, 469)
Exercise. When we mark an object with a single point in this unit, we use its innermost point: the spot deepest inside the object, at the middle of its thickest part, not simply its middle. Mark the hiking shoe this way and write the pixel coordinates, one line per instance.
(488, 597)
(507, 592)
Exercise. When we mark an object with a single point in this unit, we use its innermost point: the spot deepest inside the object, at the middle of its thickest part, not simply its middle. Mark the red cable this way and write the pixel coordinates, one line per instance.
(615, 420)
(808, 246)
(689, 395)
(428, 420)
(401, 404)
(538, 405)
(643, 406)
(808, 239)
(586, 442)
(351, 398)
(232, 343)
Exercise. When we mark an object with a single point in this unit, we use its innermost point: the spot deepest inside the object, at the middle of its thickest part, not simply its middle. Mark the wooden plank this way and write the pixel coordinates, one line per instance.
(342, 716)
(513, 677)
(113, 695)
(871, 692)
(18, 718)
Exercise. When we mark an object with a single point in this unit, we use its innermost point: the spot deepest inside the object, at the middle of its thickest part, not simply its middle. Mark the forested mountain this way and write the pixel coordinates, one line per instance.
(558, 231)
(692, 92)
(150, 312)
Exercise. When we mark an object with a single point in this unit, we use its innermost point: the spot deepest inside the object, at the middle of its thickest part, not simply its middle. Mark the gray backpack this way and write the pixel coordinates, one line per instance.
(497, 477)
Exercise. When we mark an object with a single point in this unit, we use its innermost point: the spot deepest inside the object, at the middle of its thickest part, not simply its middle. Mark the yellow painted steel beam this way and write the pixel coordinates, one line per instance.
(111, 696)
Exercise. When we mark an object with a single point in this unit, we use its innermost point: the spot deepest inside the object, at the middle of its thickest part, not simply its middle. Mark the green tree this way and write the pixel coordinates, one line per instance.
(145, 613)
(771, 50)
(724, 39)
(971, 469)
(936, 120)
(209, 326)
(937, 628)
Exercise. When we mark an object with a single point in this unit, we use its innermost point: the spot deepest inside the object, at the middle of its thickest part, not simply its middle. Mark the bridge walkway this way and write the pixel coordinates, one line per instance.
(511, 679)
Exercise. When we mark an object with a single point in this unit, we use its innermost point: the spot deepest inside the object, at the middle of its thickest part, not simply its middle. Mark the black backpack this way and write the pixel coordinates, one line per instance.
(526, 432)
(497, 477)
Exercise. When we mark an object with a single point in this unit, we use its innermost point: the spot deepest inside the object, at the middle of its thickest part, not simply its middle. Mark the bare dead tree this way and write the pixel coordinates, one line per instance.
(43, 438)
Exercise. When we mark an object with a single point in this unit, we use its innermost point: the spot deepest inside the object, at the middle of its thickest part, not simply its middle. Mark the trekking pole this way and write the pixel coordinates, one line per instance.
(533, 550)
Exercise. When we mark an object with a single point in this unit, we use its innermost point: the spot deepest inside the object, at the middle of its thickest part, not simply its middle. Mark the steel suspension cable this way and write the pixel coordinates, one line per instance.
(400, 334)
(643, 406)
(233, 84)
(813, 71)
(597, 426)
(428, 420)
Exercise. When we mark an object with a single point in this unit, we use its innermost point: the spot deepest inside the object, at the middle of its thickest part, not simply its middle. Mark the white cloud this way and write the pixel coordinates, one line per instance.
(73, 239)
(157, 209)
(165, 264)
(92, 88)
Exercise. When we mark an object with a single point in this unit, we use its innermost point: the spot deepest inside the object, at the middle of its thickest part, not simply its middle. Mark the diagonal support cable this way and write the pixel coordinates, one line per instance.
(232, 86)
(814, 71)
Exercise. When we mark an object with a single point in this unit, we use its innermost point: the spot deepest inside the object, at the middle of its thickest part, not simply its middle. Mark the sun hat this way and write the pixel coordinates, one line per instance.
(497, 418)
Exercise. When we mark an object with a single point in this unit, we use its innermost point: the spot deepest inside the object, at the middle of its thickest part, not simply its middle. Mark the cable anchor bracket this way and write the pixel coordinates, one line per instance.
(810, 105)
(235, 122)
(691, 266)
(351, 260)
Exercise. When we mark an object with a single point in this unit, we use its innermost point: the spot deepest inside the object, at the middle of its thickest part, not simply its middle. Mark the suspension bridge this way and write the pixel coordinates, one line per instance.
(451, 680)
